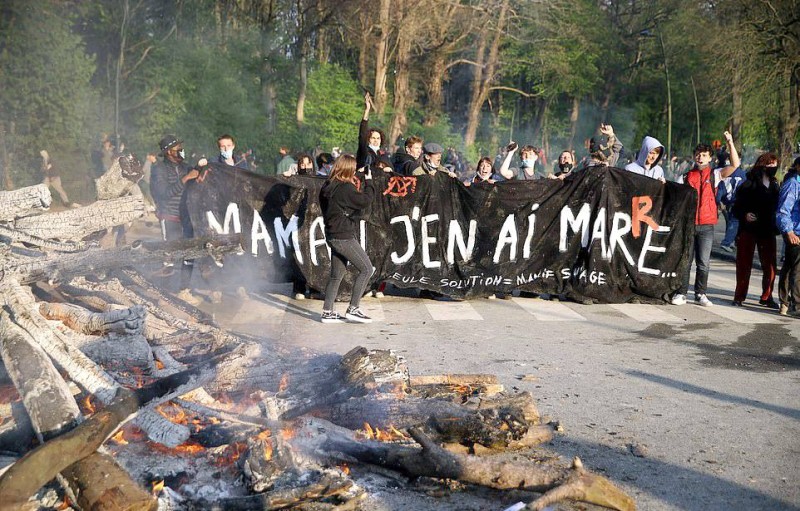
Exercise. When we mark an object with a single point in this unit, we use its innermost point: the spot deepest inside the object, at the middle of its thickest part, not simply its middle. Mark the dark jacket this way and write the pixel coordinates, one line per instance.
(404, 163)
(753, 197)
(167, 189)
(365, 155)
(342, 207)
(240, 163)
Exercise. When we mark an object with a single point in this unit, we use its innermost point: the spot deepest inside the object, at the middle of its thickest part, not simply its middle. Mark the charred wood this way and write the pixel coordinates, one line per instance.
(17, 203)
(97, 261)
(47, 244)
(120, 179)
(75, 224)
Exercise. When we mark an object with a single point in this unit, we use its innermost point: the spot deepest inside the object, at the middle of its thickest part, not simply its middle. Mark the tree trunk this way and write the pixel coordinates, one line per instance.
(301, 95)
(484, 78)
(573, 122)
(363, 48)
(382, 56)
(434, 87)
(402, 93)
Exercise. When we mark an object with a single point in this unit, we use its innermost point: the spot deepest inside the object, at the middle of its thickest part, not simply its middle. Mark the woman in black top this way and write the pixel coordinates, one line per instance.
(343, 200)
(755, 207)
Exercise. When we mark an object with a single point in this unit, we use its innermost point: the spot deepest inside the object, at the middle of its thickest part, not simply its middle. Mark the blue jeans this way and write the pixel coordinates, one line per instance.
(700, 251)
(342, 252)
(731, 228)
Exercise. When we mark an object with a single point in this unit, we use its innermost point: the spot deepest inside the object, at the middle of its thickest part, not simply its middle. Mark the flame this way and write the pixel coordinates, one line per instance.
(345, 469)
(288, 433)
(214, 420)
(267, 450)
(138, 376)
(88, 405)
(119, 438)
(231, 454)
(264, 435)
(157, 487)
(173, 413)
(388, 434)
(65, 504)
(190, 447)
(284, 382)
(159, 364)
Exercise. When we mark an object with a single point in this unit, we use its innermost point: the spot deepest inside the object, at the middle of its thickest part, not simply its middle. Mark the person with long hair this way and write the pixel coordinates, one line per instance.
(788, 222)
(343, 201)
(755, 207)
(485, 172)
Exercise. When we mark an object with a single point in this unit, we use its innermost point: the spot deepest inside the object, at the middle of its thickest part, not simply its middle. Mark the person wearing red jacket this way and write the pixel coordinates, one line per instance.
(704, 180)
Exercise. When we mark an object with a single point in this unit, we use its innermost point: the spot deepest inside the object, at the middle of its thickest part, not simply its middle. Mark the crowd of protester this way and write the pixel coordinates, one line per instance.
(756, 207)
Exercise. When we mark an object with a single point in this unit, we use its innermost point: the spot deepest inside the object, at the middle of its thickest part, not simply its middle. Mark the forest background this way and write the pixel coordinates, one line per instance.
(469, 74)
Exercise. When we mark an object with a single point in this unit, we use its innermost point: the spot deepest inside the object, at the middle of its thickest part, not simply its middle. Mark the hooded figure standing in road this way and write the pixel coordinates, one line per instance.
(647, 160)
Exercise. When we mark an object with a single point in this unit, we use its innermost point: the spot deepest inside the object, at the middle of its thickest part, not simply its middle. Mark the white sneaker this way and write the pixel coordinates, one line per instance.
(678, 299)
(299, 296)
(727, 248)
(492, 296)
(188, 297)
(702, 300)
(357, 315)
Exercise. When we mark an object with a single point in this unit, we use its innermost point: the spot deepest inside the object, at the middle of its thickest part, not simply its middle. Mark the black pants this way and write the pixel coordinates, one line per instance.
(171, 231)
(342, 252)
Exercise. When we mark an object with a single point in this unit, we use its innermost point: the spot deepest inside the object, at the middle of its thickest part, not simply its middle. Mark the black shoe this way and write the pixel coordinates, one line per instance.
(736, 303)
(355, 314)
(769, 303)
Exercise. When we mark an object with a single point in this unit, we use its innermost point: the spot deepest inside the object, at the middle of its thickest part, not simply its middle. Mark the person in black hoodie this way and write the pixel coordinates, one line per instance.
(342, 200)
(370, 140)
(755, 207)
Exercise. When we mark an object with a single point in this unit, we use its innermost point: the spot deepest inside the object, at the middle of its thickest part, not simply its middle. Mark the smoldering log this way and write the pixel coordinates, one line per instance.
(98, 261)
(75, 224)
(23, 201)
(45, 244)
(120, 179)
(63, 347)
(40, 465)
(555, 482)
(53, 410)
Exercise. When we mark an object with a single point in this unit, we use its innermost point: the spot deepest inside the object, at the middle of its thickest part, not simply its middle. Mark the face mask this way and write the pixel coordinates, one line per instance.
(565, 167)
(772, 171)
(182, 154)
(529, 162)
(375, 148)
(226, 154)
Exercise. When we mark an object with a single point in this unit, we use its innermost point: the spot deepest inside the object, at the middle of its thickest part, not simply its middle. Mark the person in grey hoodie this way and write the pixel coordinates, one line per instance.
(647, 160)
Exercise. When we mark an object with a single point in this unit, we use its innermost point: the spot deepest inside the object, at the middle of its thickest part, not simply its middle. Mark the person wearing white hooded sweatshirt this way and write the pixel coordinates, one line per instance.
(647, 160)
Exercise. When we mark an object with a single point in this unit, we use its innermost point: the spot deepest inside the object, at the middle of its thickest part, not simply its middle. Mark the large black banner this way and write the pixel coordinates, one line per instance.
(603, 233)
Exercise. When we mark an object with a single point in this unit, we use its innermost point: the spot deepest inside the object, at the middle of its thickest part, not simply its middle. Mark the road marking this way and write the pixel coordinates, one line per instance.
(646, 313)
(453, 311)
(744, 315)
(545, 310)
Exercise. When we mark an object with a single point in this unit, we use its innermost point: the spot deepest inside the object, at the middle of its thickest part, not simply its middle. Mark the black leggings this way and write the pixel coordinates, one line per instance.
(342, 252)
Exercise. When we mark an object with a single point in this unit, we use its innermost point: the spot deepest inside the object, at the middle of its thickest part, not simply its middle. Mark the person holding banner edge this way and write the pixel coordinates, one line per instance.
(342, 201)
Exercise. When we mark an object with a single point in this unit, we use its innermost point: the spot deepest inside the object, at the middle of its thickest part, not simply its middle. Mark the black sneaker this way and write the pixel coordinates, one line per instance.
(769, 303)
(331, 317)
(355, 314)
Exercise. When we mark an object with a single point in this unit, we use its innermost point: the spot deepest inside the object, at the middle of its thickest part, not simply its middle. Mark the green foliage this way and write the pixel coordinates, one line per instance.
(45, 78)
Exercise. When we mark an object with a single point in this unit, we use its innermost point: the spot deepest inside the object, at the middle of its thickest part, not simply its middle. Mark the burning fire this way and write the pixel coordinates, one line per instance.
(231, 454)
(159, 364)
(157, 487)
(345, 469)
(265, 437)
(284, 382)
(65, 504)
(288, 433)
(119, 438)
(88, 405)
(389, 434)
(173, 413)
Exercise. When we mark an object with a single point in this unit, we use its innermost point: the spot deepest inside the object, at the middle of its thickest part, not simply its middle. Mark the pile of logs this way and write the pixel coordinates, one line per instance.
(83, 322)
